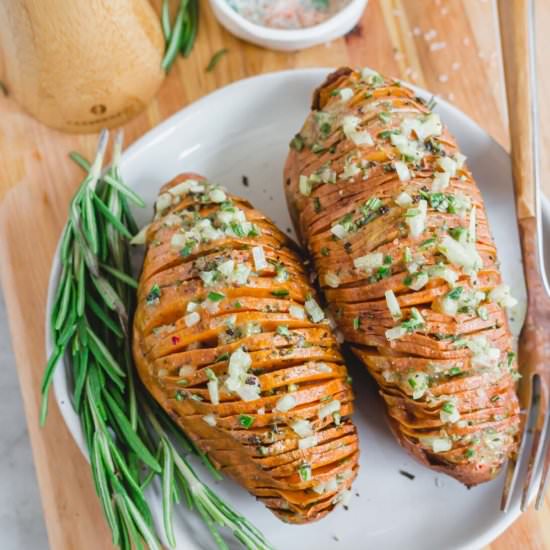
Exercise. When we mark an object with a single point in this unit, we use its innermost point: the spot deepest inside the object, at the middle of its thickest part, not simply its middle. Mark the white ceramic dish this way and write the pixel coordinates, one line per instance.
(431, 512)
(292, 39)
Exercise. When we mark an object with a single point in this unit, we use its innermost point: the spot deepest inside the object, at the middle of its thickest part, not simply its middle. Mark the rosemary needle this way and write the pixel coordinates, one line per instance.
(131, 441)
(165, 19)
(215, 59)
(181, 36)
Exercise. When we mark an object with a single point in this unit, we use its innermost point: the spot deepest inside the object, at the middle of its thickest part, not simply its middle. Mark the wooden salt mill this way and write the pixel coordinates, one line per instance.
(81, 65)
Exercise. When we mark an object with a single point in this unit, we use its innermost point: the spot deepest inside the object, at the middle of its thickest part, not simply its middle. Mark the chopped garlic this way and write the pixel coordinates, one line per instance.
(438, 444)
(192, 319)
(186, 370)
(210, 419)
(141, 237)
(440, 182)
(447, 164)
(449, 413)
(460, 160)
(217, 195)
(408, 148)
(308, 442)
(339, 231)
(316, 314)
(418, 382)
(331, 279)
(213, 391)
(369, 262)
(304, 185)
(178, 240)
(402, 170)
(302, 427)
(258, 254)
(393, 304)
(462, 254)
(297, 312)
(285, 403)
(404, 199)
(163, 202)
(415, 218)
(329, 408)
(349, 127)
(395, 333)
(345, 94)
(501, 295)
(420, 280)
(483, 354)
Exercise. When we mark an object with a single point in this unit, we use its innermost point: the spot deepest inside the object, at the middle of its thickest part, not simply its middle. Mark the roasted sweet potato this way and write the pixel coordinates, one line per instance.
(230, 341)
(398, 233)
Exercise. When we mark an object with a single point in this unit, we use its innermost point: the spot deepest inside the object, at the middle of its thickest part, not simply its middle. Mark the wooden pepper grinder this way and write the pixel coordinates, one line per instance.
(81, 65)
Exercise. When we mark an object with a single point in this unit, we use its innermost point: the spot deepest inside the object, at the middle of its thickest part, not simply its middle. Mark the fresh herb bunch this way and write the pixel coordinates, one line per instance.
(130, 440)
(179, 37)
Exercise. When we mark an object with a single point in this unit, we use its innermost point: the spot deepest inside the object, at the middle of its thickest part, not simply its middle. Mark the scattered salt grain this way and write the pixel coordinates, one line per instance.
(435, 46)
(430, 35)
(443, 78)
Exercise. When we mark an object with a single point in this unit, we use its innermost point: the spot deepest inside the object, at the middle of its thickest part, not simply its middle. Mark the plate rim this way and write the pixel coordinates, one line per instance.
(158, 132)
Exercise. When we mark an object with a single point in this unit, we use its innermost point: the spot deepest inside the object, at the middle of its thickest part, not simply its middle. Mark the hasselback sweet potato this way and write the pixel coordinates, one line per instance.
(395, 224)
(230, 341)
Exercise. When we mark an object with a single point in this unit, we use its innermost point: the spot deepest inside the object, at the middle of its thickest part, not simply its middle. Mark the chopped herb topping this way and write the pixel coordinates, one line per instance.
(455, 293)
(304, 471)
(282, 330)
(246, 421)
(415, 321)
(386, 134)
(215, 296)
(280, 292)
(297, 143)
(384, 116)
(154, 295)
(188, 248)
(317, 205)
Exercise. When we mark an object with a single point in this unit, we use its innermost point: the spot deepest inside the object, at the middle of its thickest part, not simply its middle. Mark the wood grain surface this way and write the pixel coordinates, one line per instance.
(448, 46)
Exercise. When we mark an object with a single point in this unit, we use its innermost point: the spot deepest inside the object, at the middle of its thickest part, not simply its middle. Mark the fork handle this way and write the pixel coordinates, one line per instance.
(534, 344)
(513, 22)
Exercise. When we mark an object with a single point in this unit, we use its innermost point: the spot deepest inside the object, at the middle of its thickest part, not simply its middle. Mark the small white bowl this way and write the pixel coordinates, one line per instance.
(291, 39)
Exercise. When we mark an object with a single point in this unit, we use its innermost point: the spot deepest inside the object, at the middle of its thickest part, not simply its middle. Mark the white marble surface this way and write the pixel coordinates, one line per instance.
(21, 522)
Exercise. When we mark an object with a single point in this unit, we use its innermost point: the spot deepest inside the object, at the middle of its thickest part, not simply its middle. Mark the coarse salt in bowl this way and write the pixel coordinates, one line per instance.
(289, 39)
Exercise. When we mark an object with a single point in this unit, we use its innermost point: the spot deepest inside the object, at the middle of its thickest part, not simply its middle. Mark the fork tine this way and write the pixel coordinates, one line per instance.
(546, 464)
(512, 472)
(514, 464)
(533, 426)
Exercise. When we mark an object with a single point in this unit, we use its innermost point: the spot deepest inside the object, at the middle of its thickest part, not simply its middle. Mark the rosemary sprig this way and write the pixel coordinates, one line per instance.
(180, 37)
(130, 439)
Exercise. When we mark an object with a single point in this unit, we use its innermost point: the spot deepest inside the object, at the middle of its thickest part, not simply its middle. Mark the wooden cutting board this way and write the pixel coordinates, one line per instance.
(449, 47)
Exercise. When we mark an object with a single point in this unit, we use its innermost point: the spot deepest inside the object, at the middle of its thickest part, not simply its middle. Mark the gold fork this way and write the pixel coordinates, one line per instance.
(517, 34)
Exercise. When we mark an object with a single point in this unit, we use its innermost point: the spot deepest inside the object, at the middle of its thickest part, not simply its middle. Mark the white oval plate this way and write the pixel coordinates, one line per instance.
(244, 130)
